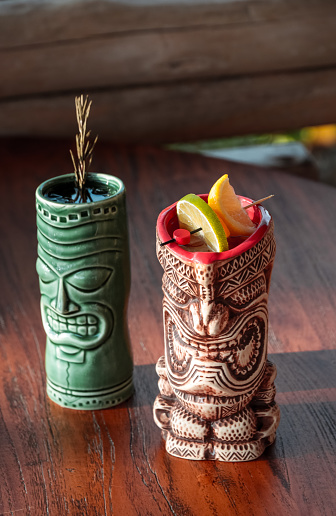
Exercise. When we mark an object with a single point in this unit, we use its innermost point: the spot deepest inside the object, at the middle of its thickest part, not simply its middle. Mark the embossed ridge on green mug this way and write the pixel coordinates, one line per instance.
(84, 271)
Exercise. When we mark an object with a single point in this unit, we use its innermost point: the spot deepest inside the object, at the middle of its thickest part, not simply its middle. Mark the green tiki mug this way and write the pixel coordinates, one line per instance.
(84, 271)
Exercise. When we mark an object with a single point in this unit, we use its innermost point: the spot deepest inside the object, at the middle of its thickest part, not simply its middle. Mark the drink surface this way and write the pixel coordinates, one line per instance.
(196, 245)
(67, 193)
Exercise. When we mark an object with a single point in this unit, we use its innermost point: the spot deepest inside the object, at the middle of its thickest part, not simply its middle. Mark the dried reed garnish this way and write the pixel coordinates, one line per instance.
(84, 147)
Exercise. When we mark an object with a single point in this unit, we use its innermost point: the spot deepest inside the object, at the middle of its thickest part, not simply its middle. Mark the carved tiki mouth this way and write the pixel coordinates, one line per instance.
(183, 345)
(83, 325)
(207, 399)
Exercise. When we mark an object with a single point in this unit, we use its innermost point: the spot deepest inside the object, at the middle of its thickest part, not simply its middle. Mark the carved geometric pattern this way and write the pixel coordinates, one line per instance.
(248, 293)
(90, 212)
(239, 437)
(241, 347)
(178, 272)
(174, 291)
(237, 428)
(239, 452)
(90, 400)
(234, 280)
(246, 350)
(255, 258)
(186, 425)
(217, 390)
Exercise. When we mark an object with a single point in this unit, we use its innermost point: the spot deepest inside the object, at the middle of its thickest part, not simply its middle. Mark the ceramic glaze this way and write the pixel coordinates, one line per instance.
(216, 385)
(83, 267)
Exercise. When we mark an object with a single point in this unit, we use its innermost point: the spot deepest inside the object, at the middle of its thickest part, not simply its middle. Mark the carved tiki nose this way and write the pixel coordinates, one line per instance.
(62, 302)
(207, 316)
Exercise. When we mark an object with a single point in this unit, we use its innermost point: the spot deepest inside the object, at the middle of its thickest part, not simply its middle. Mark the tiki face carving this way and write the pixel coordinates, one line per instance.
(73, 300)
(216, 398)
(215, 344)
(83, 268)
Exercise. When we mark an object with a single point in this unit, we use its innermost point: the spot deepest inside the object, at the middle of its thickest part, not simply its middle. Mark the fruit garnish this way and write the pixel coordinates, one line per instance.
(225, 203)
(193, 213)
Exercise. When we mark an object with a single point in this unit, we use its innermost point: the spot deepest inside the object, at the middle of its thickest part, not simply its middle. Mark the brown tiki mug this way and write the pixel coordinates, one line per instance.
(217, 391)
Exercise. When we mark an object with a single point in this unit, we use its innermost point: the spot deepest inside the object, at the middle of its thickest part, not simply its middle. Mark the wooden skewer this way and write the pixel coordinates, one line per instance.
(258, 202)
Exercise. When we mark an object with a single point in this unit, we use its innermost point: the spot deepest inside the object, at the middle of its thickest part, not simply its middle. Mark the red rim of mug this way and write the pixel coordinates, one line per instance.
(167, 223)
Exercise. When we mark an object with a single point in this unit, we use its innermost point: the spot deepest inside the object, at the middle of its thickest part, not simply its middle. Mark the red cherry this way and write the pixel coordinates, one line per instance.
(182, 236)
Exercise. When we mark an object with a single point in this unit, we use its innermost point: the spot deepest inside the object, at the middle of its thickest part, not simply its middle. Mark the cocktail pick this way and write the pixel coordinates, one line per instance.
(181, 236)
(259, 201)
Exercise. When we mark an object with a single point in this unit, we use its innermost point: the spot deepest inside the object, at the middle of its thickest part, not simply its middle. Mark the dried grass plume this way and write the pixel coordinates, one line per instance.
(83, 145)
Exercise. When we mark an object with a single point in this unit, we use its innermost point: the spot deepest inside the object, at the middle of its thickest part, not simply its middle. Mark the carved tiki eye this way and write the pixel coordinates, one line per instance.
(89, 279)
(46, 275)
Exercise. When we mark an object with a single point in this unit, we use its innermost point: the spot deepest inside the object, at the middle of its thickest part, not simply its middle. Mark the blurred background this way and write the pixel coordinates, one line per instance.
(248, 80)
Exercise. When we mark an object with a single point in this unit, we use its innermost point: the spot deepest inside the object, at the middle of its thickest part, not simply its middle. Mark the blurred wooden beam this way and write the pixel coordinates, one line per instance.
(184, 111)
(165, 70)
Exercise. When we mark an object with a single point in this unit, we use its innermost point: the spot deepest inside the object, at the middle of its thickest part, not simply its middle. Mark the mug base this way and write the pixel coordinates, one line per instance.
(90, 400)
(232, 439)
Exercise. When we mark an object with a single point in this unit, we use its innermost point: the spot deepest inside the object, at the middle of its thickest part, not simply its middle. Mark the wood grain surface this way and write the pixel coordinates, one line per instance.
(39, 22)
(167, 71)
(141, 55)
(183, 111)
(54, 461)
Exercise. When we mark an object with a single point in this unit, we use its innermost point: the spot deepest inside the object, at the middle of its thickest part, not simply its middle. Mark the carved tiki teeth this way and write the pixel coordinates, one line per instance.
(207, 398)
(81, 325)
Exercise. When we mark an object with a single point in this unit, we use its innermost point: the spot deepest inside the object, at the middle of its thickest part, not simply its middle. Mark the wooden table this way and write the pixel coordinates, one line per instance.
(57, 461)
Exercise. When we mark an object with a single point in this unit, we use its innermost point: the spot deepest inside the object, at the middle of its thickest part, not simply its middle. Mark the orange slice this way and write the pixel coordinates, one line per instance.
(225, 203)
